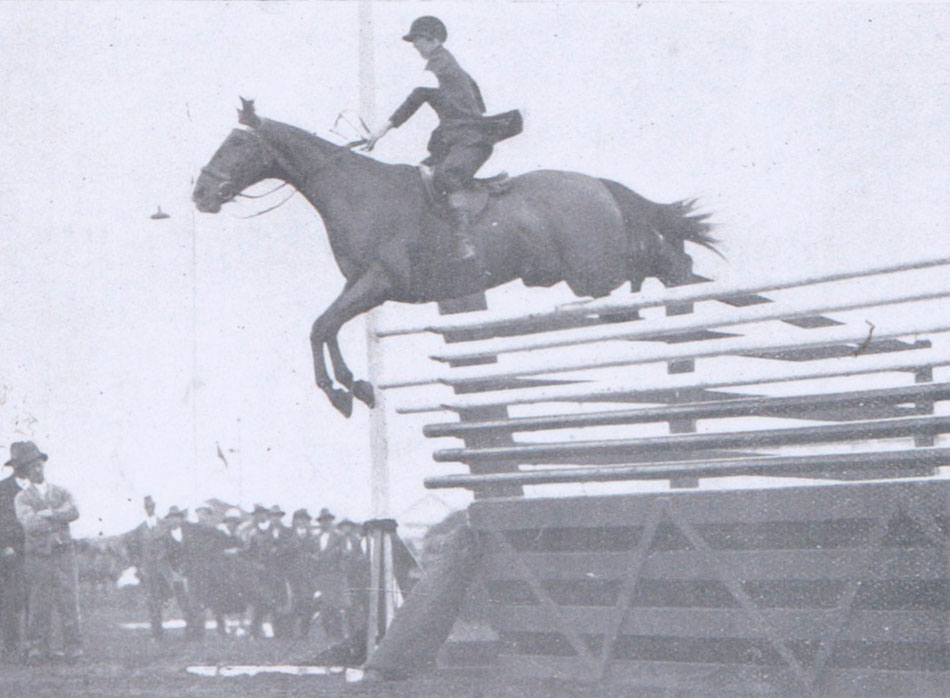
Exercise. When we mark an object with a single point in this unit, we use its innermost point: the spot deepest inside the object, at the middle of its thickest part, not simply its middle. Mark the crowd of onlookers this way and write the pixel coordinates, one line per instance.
(253, 566)
(226, 565)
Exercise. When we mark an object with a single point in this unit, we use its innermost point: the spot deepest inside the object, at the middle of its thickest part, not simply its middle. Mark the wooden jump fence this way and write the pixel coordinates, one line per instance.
(828, 574)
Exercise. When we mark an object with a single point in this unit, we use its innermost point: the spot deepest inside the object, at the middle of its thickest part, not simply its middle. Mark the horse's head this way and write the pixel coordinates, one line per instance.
(242, 160)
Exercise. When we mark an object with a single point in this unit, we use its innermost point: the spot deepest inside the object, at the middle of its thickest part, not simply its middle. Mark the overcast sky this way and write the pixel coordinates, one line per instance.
(816, 134)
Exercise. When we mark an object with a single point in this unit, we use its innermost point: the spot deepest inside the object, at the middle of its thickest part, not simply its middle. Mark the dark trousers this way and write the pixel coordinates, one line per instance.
(455, 171)
(52, 583)
(156, 591)
(12, 602)
(193, 612)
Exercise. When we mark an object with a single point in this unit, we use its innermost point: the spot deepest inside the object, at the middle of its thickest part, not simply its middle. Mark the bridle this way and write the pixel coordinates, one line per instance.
(225, 179)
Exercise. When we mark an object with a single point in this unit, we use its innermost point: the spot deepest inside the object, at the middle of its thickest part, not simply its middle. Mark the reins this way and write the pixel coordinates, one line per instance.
(225, 179)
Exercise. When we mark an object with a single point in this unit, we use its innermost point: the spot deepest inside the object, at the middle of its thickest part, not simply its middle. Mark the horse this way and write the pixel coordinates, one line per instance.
(392, 243)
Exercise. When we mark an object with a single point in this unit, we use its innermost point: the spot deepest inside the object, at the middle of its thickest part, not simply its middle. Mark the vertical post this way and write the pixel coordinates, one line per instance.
(373, 538)
(379, 467)
(389, 601)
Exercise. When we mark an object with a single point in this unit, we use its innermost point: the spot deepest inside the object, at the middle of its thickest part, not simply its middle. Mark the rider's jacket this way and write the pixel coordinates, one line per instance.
(458, 103)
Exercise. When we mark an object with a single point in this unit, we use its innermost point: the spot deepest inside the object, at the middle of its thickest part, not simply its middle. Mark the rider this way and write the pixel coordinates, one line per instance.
(464, 138)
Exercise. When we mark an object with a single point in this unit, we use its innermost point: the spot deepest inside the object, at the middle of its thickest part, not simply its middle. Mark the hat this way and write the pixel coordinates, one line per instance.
(204, 507)
(233, 513)
(428, 27)
(302, 515)
(148, 501)
(175, 511)
(260, 509)
(325, 515)
(23, 453)
(347, 522)
(276, 511)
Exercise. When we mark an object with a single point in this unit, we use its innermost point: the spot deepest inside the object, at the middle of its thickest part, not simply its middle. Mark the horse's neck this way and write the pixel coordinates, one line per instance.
(337, 183)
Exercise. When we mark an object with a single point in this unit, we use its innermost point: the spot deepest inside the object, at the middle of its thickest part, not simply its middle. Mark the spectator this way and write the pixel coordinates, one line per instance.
(179, 540)
(148, 553)
(302, 573)
(269, 548)
(45, 511)
(12, 588)
(331, 577)
(356, 574)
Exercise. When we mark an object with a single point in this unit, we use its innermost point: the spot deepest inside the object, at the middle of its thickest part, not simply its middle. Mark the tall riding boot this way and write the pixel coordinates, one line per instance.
(462, 221)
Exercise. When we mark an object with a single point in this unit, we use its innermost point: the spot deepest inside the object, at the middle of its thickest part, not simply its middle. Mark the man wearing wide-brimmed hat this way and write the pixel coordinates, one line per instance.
(45, 511)
(331, 577)
(303, 569)
(270, 548)
(12, 588)
(183, 555)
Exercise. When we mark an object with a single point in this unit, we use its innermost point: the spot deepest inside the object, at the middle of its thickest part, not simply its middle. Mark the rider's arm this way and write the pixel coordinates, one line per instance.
(416, 99)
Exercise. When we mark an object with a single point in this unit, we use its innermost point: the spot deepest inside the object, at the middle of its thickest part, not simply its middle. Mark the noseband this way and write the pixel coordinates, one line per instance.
(225, 179)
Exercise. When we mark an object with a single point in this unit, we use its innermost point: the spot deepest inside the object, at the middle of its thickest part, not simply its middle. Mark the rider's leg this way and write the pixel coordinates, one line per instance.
(452, 176)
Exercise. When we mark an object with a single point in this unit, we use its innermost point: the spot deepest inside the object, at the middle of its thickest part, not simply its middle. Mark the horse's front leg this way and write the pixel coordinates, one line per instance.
(365, 293)
(362, 390)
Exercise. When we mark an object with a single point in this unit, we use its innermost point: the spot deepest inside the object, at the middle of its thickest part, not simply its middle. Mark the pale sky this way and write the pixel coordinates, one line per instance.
(815, 133)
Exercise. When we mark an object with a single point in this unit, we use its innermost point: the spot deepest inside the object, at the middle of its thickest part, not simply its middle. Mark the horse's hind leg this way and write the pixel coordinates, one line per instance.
(362, 390)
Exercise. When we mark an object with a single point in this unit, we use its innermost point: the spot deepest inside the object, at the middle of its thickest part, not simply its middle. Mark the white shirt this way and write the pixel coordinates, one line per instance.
(151, 521)
(176, 534)
(324, 540)
(22, 482)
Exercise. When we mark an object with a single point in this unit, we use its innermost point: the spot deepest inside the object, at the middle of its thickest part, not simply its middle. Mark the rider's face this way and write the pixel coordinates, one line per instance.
(425, 46)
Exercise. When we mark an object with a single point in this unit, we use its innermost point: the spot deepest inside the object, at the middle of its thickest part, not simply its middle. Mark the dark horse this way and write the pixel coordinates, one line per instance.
(391, 244)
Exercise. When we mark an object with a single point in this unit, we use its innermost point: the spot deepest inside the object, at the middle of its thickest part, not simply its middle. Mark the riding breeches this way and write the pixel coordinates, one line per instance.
(458, 167)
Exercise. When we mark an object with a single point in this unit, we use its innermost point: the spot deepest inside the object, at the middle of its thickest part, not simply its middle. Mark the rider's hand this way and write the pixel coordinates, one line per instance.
(375, 136)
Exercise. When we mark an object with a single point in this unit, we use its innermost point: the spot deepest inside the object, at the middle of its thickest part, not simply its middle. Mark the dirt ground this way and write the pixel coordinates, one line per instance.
(121, 663)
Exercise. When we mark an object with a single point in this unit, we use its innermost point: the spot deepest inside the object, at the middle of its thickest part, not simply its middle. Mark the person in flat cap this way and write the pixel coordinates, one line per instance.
(12, 587)
(465, 137)
(45, 511)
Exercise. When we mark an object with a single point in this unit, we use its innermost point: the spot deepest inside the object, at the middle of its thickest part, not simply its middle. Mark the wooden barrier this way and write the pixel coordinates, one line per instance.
(836, 587)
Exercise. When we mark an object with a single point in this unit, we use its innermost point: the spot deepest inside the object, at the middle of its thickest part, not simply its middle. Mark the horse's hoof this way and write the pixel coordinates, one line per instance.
(343, 401)
(363, 391)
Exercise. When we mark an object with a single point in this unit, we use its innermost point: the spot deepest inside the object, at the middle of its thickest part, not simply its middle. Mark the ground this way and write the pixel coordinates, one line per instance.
(123, 663)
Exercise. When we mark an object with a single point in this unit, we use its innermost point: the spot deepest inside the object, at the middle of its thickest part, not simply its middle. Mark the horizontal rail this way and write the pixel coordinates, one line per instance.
(655, 329)
(764, 465)
(685, 294)
(759, 438)
(464, 377)
(736, 407)
(757, 374)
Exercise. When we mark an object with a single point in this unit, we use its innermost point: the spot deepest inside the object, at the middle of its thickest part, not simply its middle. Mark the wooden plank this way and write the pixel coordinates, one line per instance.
(539, 364)
(664, 388)
(820, 502)
(839, 466)
(736, 296)
(789, 624)
(785, 406)
(568, 451)
(749, 565)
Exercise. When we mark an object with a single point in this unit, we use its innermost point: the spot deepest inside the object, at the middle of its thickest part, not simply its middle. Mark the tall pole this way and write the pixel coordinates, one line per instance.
(379, 466)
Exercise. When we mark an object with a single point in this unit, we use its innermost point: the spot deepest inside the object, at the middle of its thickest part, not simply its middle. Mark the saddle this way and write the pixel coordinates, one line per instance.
(474, 198)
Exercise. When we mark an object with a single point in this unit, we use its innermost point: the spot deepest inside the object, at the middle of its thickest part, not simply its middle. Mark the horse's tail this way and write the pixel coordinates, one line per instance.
(676, 222)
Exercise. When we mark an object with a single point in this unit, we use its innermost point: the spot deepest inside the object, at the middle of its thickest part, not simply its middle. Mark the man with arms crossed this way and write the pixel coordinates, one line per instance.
(45, 511)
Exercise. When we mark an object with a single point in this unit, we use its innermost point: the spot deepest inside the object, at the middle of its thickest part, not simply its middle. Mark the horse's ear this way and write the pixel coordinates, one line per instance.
(247, 115)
